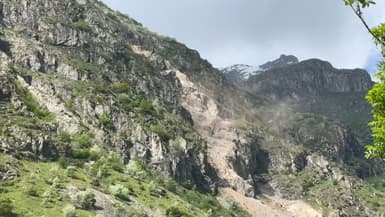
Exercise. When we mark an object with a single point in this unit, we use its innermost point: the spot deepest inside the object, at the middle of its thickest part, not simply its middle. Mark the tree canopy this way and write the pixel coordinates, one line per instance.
(376, 96)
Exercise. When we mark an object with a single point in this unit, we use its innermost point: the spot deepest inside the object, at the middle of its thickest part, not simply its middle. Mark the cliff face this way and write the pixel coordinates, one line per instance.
(316, 117)
(315, 86)
(309, 77)
(95, 90)
(78, 60)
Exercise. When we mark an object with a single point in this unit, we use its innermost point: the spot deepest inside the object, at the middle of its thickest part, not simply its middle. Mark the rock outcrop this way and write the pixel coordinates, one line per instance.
(77, 76)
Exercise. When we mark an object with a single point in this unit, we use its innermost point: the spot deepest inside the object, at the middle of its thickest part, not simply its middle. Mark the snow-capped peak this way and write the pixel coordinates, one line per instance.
(241, 72)
(244, 71)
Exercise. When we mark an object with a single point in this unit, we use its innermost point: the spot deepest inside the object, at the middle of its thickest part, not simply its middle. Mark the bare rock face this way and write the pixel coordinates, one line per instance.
(309, 77)
(78, 68)
(282, 61)
(68, 58)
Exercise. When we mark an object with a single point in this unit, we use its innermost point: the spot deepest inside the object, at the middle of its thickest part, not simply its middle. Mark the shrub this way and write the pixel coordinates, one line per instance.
(5, 46)
(65, 137)
(171, 186)
(120, 192)
(32, 104)
(69, 104)
(82, 25)
(49, 196)
(70, 171)
(63, 162)
(94, 155)
(85, 200)
(164, 133)
(81, 154)
(120, 88)
(6, 207)
(82, 66)
(105, 121)
(121, 212)
(82, 140)
(146, 106)
(31, 191)
(69, 211)
(176, 212)
(335, 182)
(115, 163)
(57, 183)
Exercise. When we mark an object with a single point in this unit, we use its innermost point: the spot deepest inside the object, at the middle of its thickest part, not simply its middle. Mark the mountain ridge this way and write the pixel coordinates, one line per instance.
(102, 106)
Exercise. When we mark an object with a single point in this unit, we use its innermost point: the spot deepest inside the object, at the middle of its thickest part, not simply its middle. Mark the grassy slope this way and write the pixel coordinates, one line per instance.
(143, 186)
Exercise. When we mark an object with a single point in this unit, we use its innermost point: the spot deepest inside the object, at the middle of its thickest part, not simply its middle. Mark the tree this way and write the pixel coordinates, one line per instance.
(376, 96)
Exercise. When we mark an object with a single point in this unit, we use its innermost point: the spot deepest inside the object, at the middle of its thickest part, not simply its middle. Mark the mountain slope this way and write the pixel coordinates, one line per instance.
(74, 90)
(314, 88)
(101, 113)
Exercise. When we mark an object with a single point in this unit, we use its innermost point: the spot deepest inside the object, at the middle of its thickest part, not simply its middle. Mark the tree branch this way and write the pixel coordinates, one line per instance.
(358, 12)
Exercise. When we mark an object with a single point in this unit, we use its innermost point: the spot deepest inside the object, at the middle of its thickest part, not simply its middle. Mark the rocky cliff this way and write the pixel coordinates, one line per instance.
(300, 94)
(240, 72)
(99, 112)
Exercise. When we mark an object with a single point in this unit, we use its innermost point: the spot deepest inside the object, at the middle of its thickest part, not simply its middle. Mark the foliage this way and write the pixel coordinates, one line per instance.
(82, 25)
(120, 192)
(363, 3)
(82, 140)
(63, 162)
(70, 171)
(32, 104)
(83, 66)
(146, 106)
(176, 212)
(6, 207)
(161, 130)
(5, 46)
(105, 121)
(31, 191)
(85, 200)
(69, 211)
(120, 87)
(132, 182)
(82, 154)
(376, 96)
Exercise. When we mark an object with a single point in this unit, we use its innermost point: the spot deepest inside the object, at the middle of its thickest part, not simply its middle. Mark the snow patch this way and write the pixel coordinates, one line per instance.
(245, 71)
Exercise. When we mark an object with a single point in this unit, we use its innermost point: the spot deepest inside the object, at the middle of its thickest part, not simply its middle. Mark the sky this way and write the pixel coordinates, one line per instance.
(227, 32)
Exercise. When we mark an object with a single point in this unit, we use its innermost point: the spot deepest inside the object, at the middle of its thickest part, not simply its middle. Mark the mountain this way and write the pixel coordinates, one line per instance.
(240, 72)
(309, 97)
(282, 61)
(315, 86)
(102, 117)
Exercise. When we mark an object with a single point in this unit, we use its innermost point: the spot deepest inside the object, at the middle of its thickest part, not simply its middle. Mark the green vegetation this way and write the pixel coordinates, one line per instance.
(176, 212)
(5, 47)
(52, 195)
(164, 133)
(69, 211)
(105, 121)
(33, 105)
(372, 192)
(6, 207)
(82, 25)
(120, 88)
(376, 95)
(83, 66)
(85, 200)
(77, 141)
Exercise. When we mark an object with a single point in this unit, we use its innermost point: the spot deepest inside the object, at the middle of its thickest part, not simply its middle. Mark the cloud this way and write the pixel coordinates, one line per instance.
(253, 31)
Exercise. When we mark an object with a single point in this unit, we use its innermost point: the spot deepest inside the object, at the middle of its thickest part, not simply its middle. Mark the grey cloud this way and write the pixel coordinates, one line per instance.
(253, 31)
